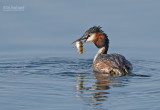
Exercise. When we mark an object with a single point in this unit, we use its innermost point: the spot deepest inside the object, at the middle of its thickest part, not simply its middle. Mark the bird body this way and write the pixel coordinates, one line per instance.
(112, 63)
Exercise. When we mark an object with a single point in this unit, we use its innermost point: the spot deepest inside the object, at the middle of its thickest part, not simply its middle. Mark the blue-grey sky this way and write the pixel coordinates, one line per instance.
(50, 26)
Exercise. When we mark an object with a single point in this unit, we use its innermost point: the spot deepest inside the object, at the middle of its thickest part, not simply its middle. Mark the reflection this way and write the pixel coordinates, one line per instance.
(94, 89)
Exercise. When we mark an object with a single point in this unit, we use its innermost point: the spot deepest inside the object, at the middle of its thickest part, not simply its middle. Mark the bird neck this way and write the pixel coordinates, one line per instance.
(102, 50)
(102, 42)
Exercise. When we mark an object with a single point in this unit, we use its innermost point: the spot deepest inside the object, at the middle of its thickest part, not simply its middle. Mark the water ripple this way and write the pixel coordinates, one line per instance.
(57, 78)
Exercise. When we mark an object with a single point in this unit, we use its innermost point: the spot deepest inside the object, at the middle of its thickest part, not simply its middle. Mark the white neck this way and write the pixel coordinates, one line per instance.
(100, 52)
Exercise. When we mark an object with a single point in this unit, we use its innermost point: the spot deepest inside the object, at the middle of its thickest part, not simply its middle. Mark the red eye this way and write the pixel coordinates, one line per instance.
(88, 35)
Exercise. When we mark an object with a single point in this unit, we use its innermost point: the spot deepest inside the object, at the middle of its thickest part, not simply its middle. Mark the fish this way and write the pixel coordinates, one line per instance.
(79, 46)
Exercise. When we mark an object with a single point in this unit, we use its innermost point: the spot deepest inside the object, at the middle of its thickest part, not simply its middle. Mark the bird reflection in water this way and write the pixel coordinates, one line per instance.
(96, 93)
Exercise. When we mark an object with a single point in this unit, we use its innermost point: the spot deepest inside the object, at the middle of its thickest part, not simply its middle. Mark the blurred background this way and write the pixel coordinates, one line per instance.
(48, 27)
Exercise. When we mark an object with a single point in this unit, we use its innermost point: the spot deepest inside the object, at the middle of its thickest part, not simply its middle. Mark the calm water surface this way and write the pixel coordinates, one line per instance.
(58, 83)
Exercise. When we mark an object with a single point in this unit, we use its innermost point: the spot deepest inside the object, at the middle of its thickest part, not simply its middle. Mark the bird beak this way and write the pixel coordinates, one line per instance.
(82, 38)
(76, 41)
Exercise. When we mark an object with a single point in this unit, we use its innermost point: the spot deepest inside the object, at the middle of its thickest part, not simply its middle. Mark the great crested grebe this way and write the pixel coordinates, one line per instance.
(105, 63)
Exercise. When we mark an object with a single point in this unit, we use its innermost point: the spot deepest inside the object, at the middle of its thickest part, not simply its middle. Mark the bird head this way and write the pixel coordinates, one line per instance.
(90, 34)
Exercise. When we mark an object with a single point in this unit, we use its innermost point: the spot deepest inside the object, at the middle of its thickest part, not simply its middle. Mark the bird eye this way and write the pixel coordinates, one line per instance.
(88, 36)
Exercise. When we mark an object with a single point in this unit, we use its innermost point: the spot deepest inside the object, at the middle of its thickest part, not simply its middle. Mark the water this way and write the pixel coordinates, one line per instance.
(59, 83)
